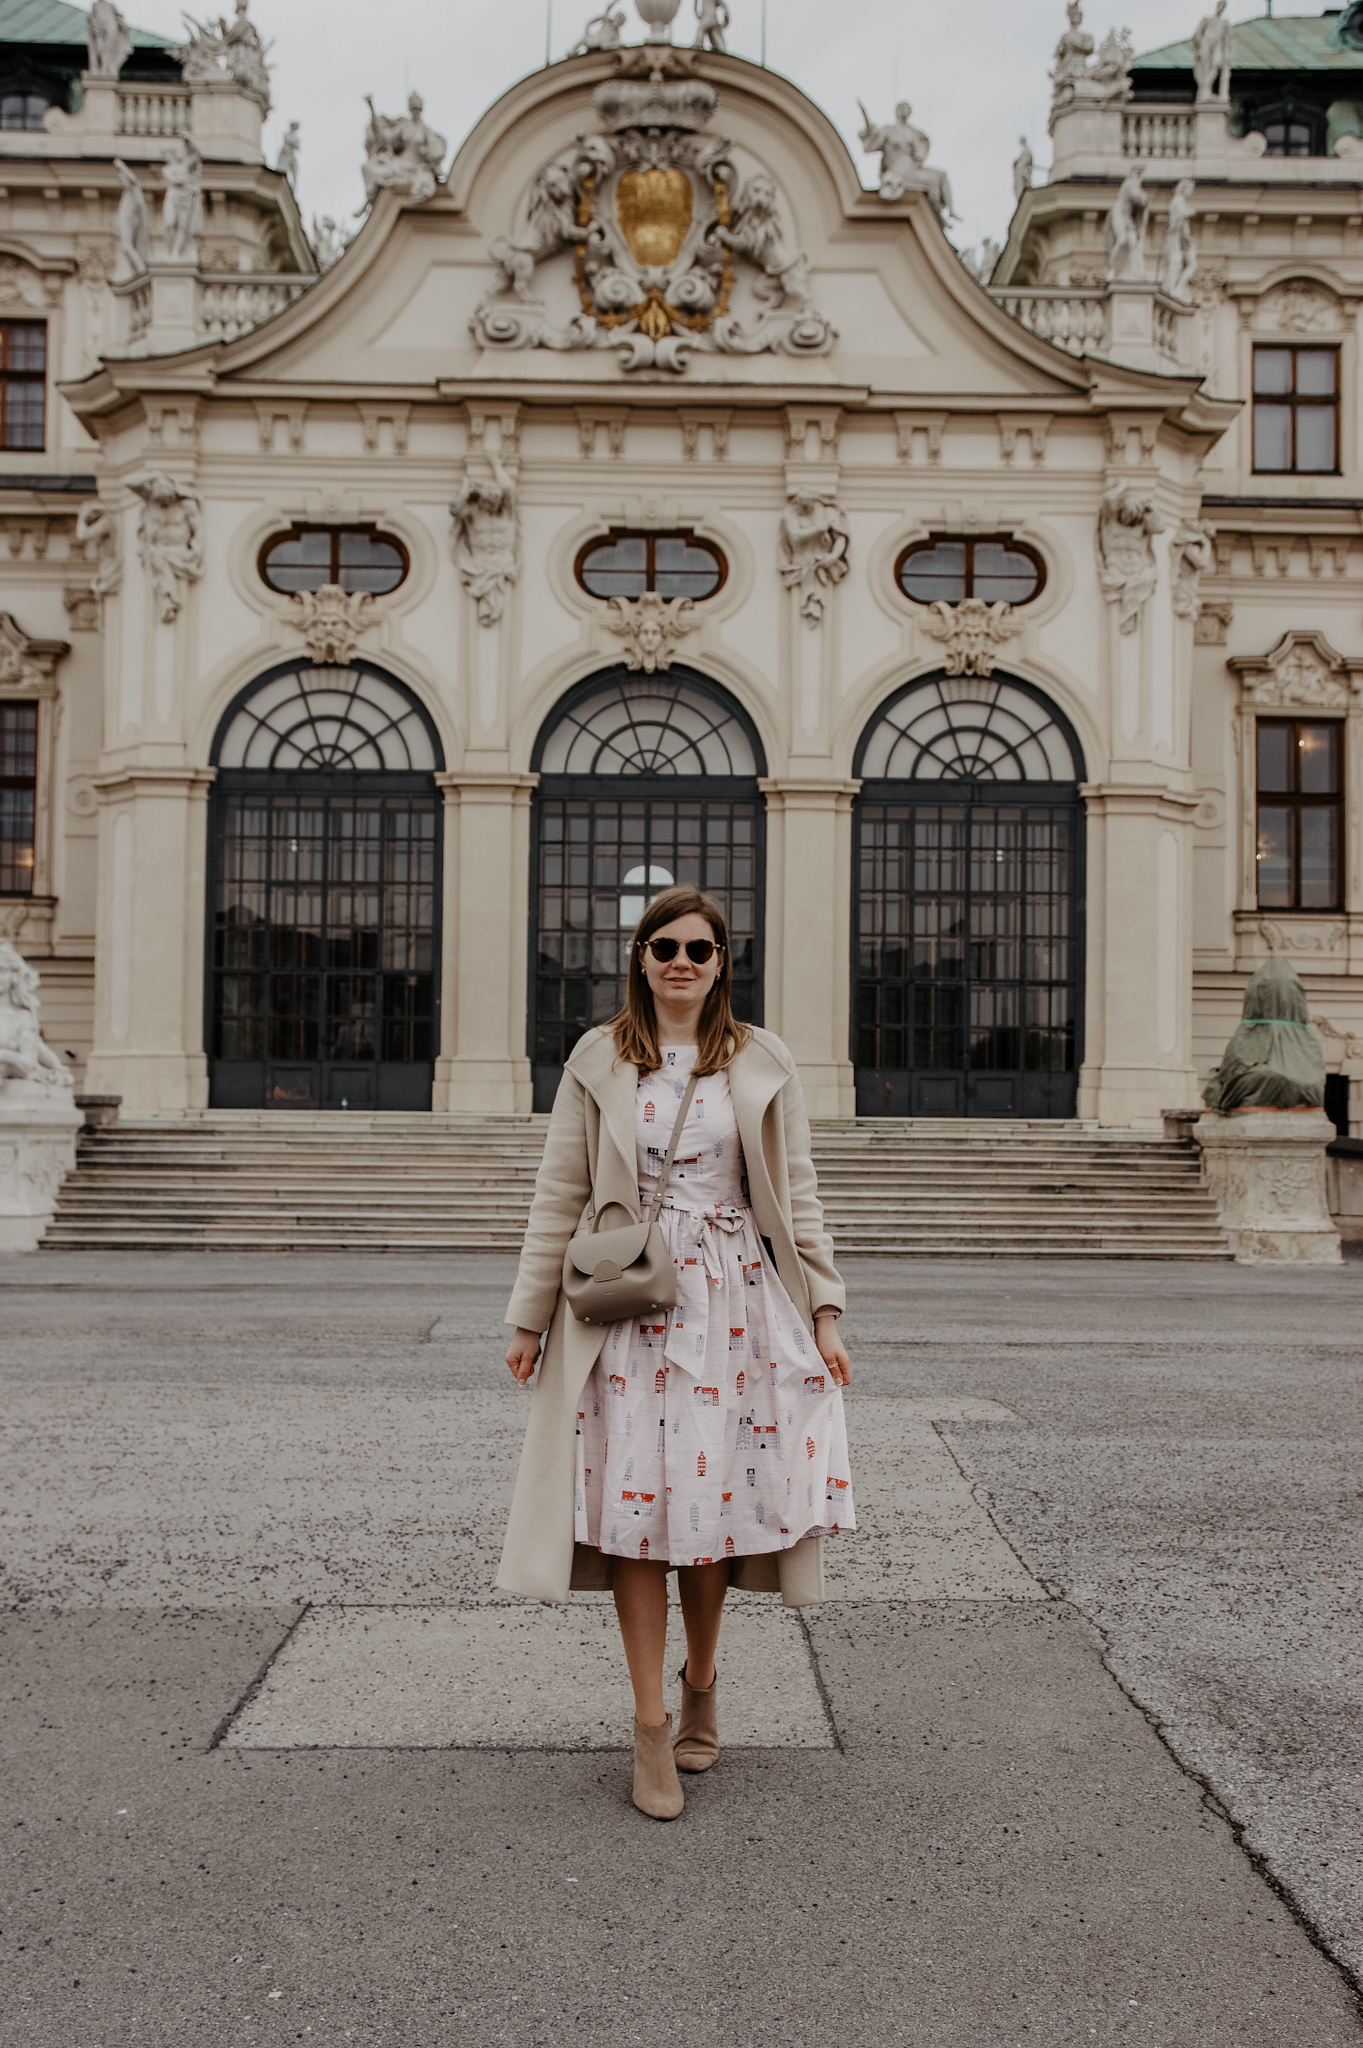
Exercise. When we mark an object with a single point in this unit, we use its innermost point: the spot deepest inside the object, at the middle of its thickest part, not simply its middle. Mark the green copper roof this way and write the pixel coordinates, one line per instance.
(52, 21)
(1301, 42)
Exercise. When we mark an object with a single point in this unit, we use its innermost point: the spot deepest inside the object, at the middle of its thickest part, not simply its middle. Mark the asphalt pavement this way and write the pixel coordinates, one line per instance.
(1071, 1754)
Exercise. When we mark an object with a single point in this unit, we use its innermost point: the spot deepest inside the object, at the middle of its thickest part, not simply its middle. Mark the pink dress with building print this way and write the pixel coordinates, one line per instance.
(719, 1432)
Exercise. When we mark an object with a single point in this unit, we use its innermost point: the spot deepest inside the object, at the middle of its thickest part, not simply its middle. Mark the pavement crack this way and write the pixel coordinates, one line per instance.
(262, 1674)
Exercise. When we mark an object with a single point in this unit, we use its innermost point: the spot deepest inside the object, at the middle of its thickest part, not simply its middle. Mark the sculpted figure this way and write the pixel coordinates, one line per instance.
(1109, 76)
(1024, 164)
(755, 229)
(328, 241)
(904, 163)
(1178, 257)
(97, 533)
(1111, 71)
(405, 154)
(182, 213)
(981, 263)
(245, 56)
(601, 33)
(1124, 232)
(23, 1055)
(1273, 1059)
(712, 17)
(108, 44)
(1073, 51)
(287, 161)
(1191, 557)
(1213, 50)
(650, 627)
(813, 552)
(169, 540)
(487, 540)
(132, 224)
(1127, 523)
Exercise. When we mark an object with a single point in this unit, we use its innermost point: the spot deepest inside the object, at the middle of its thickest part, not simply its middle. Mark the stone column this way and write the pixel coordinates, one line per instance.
(808, 932)
(1266, 1172)
(483, 1064)
(150, 939)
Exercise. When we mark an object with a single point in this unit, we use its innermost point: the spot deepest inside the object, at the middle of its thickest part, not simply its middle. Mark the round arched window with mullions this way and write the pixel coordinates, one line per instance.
(950, 568)
(673, 564)
(355, 557)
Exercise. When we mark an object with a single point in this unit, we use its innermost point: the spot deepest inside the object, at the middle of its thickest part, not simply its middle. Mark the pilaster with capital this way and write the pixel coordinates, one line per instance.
(808, 932)
(483, 1063)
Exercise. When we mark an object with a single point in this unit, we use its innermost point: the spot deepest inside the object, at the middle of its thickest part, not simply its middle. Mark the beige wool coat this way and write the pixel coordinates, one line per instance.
(589, 1164)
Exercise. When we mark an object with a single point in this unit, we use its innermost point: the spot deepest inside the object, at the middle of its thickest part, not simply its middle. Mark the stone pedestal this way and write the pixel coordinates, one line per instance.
(1266, 1172)
(37, 1150)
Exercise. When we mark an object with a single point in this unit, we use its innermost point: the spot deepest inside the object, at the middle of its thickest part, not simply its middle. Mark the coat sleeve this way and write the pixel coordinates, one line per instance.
(812, 1240)
(563, 1186)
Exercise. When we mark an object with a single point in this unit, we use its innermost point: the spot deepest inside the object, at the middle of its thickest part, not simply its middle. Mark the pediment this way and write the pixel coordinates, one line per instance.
(587, 236)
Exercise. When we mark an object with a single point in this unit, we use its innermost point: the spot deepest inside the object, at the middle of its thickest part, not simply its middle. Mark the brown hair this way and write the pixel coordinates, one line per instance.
(719, 1035)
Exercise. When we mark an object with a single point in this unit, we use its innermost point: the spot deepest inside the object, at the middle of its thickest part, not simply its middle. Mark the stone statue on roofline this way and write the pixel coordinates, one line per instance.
(132, 223)
(712, 17)
(182, 212)
(1077, 81)
(217, 51)
(603, 32)
(1178, 257)
(1274, 1059)
(108, 40)
(1213, 51)
(1124, 231)
(403, 154)
(904, 165)
(287, 161)
(1024, 165)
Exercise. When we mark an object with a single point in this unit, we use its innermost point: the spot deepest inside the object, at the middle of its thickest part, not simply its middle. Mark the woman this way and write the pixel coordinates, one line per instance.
(711, 1439)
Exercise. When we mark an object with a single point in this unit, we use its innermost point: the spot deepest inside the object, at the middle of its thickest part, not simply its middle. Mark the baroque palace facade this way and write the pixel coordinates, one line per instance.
(643, 499)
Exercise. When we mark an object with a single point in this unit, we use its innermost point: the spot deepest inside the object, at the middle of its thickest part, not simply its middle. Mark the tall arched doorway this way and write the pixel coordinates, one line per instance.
(967, 916)
(644, 781)
(324, 895)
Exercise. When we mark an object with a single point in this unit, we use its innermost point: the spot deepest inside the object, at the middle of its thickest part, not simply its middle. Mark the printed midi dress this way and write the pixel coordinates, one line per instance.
(717, 1432)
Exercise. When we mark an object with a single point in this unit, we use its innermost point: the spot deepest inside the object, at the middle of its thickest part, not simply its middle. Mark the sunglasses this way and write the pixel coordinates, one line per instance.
(698, 951)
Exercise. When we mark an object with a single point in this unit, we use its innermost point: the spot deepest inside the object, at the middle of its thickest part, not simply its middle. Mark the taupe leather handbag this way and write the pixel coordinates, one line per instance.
(611, 1276)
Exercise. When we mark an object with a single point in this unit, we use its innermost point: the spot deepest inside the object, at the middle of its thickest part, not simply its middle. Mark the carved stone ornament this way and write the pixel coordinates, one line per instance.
(1127, 571)
(1303, 671)
(650, 627)
(1299, 306)
(1192, 555)
(1212, 623)
(970, 632)
(331, 621)
(653, 214)
(23, 1055)
(904, 166)
(1309, 936)
(1338, 1045)
(1076, 80)
(487, 539)
(169, 540)
(28, 664)
(813, 550)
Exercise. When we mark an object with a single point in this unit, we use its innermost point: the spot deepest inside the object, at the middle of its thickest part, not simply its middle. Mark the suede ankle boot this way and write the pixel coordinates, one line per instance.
(657, 1788)
(697, 1744)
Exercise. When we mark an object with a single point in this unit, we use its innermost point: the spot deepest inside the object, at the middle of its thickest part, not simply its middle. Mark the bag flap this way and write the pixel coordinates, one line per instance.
(620, 1247)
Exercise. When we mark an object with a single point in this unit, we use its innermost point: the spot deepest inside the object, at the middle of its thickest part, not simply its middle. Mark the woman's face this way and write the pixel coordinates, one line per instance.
(679, 980)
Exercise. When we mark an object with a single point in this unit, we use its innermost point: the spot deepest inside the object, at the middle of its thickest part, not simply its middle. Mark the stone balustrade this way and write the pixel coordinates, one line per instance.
(1151, 134)
(1136, 324)
(175, 306)
(1073, 320)
(1180, 140)
(159, 110)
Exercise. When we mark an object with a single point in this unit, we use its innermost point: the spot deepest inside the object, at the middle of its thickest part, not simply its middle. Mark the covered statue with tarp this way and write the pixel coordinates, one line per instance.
(1274, 1060)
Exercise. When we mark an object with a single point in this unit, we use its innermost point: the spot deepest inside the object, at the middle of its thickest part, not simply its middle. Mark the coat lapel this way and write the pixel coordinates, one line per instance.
(612, 1086)
(754, 1078)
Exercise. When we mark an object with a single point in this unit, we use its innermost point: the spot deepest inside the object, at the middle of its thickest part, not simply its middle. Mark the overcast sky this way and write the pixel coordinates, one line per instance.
(974, 70)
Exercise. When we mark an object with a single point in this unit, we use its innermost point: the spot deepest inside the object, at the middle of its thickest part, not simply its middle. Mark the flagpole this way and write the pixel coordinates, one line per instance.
(764, 34)
(548, 31)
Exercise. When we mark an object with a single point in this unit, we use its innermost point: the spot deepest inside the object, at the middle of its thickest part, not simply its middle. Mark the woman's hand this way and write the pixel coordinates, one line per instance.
(832, 1350)
(522, 1353)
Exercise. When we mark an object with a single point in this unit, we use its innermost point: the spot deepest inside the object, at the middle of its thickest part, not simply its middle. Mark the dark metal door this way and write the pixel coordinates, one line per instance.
(324, 955)
(967, 941)
(597, 860)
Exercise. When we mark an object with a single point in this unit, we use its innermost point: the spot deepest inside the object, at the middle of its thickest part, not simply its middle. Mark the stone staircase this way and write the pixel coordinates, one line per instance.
(279, 1181)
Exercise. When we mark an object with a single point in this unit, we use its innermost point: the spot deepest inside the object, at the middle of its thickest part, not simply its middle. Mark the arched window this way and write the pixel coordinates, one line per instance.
(968, 904)
(336, 718)
(324, 895)
(644, 781)
(959, 730)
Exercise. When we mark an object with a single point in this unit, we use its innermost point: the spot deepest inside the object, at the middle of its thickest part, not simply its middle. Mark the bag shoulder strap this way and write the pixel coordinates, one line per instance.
(656, 1209)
